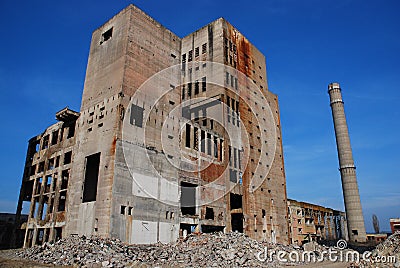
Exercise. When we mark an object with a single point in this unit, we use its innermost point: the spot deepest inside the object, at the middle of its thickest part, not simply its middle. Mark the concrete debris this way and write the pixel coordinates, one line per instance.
(197, 250)
(202, 250)
(386, 254)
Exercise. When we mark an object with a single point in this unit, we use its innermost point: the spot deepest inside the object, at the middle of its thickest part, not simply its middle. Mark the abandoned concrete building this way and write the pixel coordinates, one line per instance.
(311, 222)
(110, 170)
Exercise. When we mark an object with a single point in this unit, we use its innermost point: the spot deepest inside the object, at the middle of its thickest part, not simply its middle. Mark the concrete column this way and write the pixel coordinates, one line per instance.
(355, 220)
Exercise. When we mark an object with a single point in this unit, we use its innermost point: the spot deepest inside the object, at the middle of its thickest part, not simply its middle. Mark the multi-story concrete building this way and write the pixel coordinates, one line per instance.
(310, 222)
(174, 135)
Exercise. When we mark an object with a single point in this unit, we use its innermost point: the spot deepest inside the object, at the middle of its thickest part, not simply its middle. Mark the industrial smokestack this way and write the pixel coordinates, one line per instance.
(355, 220)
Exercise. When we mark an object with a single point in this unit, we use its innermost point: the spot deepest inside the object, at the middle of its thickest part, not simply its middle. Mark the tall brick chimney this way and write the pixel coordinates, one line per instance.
(355, 219)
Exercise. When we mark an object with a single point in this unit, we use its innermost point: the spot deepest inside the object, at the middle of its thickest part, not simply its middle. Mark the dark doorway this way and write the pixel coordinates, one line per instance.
(91, 178)
(188, 198)
(237, 222)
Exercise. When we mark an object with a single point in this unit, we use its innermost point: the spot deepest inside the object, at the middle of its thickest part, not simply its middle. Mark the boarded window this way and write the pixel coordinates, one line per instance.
(136, 115)
(91, 178)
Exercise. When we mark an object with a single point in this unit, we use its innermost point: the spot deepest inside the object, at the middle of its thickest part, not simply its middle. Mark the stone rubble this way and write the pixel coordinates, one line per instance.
(197, 250)
(388, 248)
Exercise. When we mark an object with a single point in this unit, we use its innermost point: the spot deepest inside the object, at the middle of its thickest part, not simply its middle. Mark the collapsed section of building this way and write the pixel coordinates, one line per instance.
(174, 135)
(310, 222)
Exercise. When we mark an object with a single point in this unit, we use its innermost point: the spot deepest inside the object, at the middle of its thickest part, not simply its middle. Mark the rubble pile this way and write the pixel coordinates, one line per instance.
(202, 250)
(386, 254)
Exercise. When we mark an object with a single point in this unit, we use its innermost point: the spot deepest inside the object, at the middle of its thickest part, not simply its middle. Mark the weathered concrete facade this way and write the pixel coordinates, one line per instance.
(162, 151)
(355, 219)
(310, 222)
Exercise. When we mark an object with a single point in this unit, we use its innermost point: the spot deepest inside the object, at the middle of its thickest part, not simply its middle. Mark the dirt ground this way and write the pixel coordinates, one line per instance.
(8, 259)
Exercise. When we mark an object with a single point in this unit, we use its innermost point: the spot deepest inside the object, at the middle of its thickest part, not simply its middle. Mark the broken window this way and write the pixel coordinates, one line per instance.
(234, 157)
(43, 212)
(230, 155)
(50, 164)
(188, 198)
(239, 160)
(232, 175)
(189, 89)
(190, 56)
(45, 143)
(106, 35)
(196, 87)
(196, 52)
(196, 139)
(220, 149)
(183, 92)
(64, 179)
(209, 213)
(67, 157)
(203, 84)
(235, 201)
(91, 178)
(209, 140)
(136, 115)
(48, 183)
(41, 167)
(71, 131)
(62, 201)
(54, 137)
(38, 185)
(32, 170)
(215, 147)
(204, 48)
(203, 141)
(187, 138)
(57, 161)
(122, 211)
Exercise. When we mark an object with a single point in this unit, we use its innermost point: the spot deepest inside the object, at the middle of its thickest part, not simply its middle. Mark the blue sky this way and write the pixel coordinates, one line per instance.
(308, 44)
